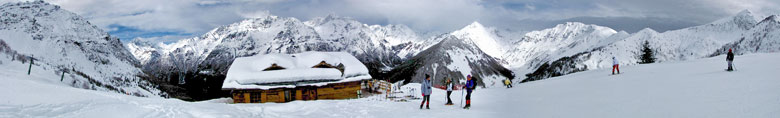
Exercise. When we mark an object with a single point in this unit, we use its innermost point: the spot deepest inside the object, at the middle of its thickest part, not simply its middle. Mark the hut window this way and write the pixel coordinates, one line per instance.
(274, 67)
(341, 68)
(323, 64)
(254, 97)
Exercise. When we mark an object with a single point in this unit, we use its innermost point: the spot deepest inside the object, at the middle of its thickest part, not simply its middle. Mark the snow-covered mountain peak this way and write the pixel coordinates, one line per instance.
(395, 34)
(771, 18)
(139, 42)
(455, 58)
(331, 18)
(744, 20)
(254, 24)
(46, 18)
(569, 30)
(647, 31)
(143, 50)
(28, 3)
(584, 27)
(538, 47)
(622, 32)
(475, 26)
(485, 38)
(570, 24)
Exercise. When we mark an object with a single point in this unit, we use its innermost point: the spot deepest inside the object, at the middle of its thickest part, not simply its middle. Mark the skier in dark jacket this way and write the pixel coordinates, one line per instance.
(470, 85)
(425, 87)
(730, 60)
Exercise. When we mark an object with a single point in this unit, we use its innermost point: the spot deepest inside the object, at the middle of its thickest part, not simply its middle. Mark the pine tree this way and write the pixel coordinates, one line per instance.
(648, 56)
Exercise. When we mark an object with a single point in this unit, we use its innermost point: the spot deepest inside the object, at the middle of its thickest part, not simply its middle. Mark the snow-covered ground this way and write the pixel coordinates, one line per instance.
(696, 88)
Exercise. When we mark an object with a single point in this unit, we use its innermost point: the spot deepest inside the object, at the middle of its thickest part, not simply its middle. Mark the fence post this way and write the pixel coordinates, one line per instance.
(29, 69)
(63, 75)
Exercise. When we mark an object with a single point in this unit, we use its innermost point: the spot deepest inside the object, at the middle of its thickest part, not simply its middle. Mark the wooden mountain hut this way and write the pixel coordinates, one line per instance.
(287, 77)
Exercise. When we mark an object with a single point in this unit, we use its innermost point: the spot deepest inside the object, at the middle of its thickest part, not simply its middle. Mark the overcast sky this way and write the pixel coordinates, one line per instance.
(168, 20)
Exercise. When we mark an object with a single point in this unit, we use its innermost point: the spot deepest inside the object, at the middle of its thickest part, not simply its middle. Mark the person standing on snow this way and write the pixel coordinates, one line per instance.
(508, 83)
(425, 88)
(470, 85)
(449, 91)
(615, 66)
(730, 60)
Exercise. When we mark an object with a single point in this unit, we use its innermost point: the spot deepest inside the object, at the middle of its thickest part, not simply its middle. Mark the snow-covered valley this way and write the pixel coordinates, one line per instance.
(694, 88)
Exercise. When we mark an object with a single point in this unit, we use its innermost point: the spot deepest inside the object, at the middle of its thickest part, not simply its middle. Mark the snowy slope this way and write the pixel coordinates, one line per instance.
(676, 45)
(696, 88)
(60, 40)
(695, 42)
(538, 47)
(700, 41)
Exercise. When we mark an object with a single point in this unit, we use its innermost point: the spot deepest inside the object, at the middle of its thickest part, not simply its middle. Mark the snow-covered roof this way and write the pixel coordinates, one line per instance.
(248, 72)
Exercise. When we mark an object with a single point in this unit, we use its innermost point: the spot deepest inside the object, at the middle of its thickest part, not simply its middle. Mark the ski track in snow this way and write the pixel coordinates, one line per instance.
(696, 88)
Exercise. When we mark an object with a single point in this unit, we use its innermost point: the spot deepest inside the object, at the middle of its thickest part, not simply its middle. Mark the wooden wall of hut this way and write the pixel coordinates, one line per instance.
(346, 90)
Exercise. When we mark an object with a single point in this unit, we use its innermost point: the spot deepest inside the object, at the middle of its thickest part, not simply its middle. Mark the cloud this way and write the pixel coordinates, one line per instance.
(153, 15)
(199, 16)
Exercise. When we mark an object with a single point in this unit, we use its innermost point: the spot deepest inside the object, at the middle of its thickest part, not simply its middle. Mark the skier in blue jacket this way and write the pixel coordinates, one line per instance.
(425, 88)
(470, 85)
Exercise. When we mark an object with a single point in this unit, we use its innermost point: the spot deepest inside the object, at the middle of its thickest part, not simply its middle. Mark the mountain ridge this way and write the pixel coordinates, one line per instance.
(62, 42)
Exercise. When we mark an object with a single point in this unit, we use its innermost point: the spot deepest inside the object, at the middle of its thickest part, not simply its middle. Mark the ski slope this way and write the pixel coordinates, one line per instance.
(696, 88)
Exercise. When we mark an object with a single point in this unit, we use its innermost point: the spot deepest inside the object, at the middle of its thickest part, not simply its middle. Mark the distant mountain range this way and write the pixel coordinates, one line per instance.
(563, 49)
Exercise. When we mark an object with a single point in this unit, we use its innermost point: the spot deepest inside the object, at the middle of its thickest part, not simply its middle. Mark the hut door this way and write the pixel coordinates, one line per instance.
(246, 98)
(288, 96)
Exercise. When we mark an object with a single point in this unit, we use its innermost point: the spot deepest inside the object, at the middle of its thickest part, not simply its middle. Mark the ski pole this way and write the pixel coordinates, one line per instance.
(461, 97)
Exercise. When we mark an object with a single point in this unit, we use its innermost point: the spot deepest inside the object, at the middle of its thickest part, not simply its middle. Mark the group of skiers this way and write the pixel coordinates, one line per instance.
(426, 90)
